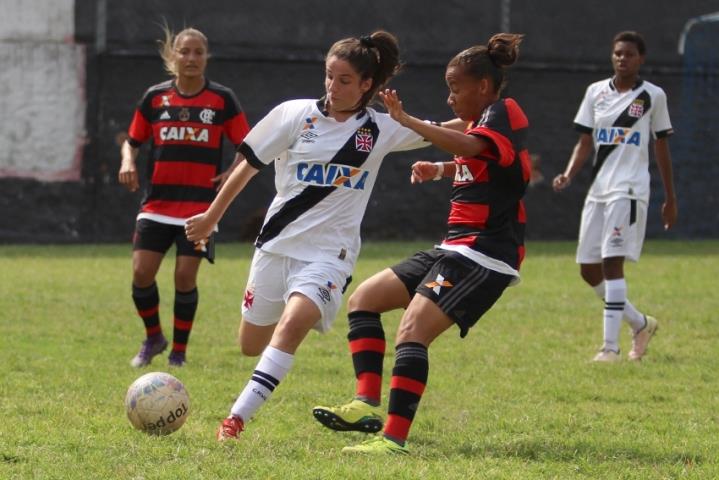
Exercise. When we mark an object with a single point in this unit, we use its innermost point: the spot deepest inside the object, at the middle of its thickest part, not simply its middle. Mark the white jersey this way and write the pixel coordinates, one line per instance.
(324, 174)
(621, 124)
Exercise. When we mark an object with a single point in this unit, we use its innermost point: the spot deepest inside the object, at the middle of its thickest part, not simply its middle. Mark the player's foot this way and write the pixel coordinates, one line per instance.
(150, 348)
(176, 359)
(230, 428)
(640, 339)
(377, 446)
(356, 416)
(607, 356)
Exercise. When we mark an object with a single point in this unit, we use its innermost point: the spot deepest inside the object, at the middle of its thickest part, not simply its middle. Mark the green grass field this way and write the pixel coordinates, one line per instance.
(517, 399)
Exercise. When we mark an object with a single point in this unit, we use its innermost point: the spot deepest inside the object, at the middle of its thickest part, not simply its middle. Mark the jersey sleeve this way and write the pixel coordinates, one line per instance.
(661, 125)
(495, 127)
(271, 137)
(235, 126)
(404, 139)
(140, 129)
(584, 120)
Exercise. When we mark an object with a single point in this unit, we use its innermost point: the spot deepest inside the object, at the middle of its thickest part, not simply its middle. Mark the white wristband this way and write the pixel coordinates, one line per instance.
(440, 171)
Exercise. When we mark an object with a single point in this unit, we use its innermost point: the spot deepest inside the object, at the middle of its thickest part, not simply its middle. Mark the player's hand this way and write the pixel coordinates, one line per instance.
(561, 182)
(394, 105)
(423, 171)
(198, 229)
(128, 175)
(669, 213)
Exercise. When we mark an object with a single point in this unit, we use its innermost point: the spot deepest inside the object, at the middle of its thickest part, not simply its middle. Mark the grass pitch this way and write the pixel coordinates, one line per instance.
(517, 399)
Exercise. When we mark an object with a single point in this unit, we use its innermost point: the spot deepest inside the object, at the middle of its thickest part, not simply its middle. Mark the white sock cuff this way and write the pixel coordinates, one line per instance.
(615, 284)
(278, 357)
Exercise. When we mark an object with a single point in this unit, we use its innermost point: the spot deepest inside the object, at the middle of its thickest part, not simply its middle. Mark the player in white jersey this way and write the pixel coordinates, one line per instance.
(619, 119)
(330, 152)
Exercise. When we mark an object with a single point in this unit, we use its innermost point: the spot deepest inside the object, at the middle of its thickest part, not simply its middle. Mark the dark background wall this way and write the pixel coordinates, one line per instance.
(270, 51)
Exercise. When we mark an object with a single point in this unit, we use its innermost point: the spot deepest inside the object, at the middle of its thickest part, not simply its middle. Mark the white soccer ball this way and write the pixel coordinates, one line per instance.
(157, 403)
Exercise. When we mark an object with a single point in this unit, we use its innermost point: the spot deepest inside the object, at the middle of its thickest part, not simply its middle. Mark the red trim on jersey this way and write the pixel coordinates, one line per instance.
(526, 165)
(184, 173)
(503, 144)
(237, 128)
(397, 427)
(140, 128)
(367, 345)
(182, 324)
(473, 214)
(185, 133)
(149, 312)
(172, 98)
(369, 385)
(517, 118)
(469, 241)
(522, 213)
(407, 384)
(175, 209)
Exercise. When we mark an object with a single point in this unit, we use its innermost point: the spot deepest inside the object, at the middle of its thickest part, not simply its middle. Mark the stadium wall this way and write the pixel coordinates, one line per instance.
(94, 59)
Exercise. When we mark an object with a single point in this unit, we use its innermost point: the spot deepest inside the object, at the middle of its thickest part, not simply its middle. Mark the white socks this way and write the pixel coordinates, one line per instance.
(632, 316)
(271, 369)
(615, 296)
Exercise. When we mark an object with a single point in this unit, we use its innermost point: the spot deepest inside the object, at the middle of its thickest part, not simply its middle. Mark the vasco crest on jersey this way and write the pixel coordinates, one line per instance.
(636, 109)
(363, 140)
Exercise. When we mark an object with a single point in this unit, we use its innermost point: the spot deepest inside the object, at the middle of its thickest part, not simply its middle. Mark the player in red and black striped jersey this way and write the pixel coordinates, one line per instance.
(458, 281)
(185, 120)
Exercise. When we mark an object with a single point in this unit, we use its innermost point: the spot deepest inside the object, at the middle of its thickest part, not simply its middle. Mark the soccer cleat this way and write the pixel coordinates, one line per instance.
(355, 416)
(640, 339)
(176, 359)
(149, 349)
(607, 356)
(230, 428)
(377, 446)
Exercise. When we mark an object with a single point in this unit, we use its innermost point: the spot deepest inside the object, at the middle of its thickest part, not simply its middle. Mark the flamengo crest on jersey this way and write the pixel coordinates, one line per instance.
(622, 125)
(324, 174)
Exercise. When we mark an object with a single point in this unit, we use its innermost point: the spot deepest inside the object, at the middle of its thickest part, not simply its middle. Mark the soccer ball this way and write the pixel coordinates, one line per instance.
(157, 403)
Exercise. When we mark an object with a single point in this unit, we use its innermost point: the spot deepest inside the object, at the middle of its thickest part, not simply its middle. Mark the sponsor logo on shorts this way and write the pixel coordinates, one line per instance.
(249, 298)
(324, 295)
(617, 240)
(438, 283)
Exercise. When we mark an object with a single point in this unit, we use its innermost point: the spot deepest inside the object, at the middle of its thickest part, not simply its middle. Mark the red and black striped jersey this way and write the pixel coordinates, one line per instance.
(487, 213)
(186, 146)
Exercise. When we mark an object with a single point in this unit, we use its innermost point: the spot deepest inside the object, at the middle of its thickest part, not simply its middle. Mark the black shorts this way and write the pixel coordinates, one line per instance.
(159, 237)
(463, 289)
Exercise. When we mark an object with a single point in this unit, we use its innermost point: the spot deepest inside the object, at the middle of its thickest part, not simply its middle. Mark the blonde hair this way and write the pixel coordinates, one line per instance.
(168, 44)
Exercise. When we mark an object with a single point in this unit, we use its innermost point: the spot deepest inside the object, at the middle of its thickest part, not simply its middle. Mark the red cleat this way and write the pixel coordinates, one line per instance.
(230, 428)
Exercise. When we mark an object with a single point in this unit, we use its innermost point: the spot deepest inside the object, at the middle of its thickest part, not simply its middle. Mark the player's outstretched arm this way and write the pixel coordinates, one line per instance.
(199, 227)
(447, 139)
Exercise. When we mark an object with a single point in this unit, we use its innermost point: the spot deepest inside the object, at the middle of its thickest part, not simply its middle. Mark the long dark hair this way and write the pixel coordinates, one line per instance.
(374, 56)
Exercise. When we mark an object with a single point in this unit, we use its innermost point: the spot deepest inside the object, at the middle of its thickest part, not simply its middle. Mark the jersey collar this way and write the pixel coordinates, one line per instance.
(321, 107)
(637, 84)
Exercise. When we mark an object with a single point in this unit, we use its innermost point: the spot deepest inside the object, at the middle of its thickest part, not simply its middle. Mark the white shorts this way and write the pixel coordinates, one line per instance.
(612, 229)
(273, 278)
